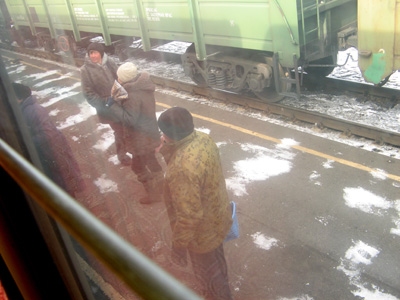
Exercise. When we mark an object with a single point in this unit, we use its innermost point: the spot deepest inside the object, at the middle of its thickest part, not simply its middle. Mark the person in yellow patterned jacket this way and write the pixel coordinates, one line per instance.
(196, 200)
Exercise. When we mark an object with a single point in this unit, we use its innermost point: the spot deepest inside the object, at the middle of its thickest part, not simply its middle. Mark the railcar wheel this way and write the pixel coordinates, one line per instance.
(270, 94)
(66, 44)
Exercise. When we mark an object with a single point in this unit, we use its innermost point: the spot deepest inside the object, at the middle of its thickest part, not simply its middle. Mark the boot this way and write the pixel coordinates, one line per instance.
(124, 159)
(144, 178)
(158, 182)
(155, 186)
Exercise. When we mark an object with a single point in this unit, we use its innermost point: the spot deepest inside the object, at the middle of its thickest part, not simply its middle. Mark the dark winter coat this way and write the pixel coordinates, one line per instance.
(195, 194)
(141, 107)
(53, 149)
(97, 81)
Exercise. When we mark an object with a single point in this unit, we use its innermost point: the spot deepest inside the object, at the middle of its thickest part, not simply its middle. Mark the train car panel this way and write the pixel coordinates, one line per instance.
(122, 18)
(168, 19)
(5, 22)
(87, 16)
(286, 31)
(397, 38)
(37, 12)
(231, 21)
(59, 15)
(378, 42)
(17, 12)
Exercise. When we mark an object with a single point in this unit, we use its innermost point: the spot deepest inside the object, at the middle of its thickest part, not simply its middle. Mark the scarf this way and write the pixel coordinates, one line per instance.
(118, 92)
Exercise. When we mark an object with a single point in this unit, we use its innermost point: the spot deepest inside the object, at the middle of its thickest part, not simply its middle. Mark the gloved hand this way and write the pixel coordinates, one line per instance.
(179, 256)
(110, 101)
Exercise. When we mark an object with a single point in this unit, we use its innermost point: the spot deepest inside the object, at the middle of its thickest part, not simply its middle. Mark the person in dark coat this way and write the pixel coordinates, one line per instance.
(55, 154)
(97, 77)
(134, 91)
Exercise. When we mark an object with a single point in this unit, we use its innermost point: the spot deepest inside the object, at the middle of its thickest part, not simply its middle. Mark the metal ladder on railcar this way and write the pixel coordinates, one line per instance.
(313, 30)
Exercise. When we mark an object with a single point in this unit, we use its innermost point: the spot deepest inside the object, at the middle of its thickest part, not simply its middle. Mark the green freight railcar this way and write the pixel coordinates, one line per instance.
(5, 24)
(237, 45)
(378, 39)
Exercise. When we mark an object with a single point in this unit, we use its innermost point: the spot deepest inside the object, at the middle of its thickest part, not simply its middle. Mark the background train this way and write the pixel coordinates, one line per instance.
(237, 45)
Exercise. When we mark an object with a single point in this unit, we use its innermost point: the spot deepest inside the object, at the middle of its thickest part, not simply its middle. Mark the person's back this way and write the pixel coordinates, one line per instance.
(141, 104)
(55, 154)
(135, 93)
(195, 170)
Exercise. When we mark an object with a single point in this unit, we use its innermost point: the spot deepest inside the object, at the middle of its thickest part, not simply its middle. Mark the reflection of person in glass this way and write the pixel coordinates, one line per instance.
(52, 147)
(196, 199)
(97, 77)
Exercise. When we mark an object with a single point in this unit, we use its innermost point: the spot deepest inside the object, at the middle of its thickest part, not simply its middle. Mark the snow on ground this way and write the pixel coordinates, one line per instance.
(264, 242)
(253, 169)
(366, 201)
(351, 265)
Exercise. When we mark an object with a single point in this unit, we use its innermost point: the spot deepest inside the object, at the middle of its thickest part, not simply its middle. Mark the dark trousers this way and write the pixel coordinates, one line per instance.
(140, 162)
(119, 138)
(211, 269)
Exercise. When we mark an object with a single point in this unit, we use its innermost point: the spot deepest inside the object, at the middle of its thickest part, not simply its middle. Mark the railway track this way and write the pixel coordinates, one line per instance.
(380, 136)
(294, 114)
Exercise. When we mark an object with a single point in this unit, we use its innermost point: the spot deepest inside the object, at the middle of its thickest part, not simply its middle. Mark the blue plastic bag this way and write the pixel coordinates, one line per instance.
(234, 231)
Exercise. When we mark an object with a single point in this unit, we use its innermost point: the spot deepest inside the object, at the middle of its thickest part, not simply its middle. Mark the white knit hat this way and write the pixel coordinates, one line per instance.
(126, 72)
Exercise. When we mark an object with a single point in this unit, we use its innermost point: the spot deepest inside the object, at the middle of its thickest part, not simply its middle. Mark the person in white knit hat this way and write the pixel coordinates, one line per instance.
(127, 72)
(135, 92)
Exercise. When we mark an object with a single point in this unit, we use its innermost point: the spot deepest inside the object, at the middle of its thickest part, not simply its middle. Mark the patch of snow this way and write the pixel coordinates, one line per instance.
(396, 220)
(328, 164)
(86, 111)
(365, 201)
(106, 185)
(379, 174)
(264, 242)
(106, 140)
(266, 163)
(361, 254)
(302, 297)
(41, 75)
(204, 130)
(314, 176)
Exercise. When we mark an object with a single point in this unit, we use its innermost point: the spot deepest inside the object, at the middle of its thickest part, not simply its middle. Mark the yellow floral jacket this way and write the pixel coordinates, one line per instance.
(195, 194)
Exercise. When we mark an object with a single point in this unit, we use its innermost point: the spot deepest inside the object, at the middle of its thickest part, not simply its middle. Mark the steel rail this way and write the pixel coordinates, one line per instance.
(139, 272)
